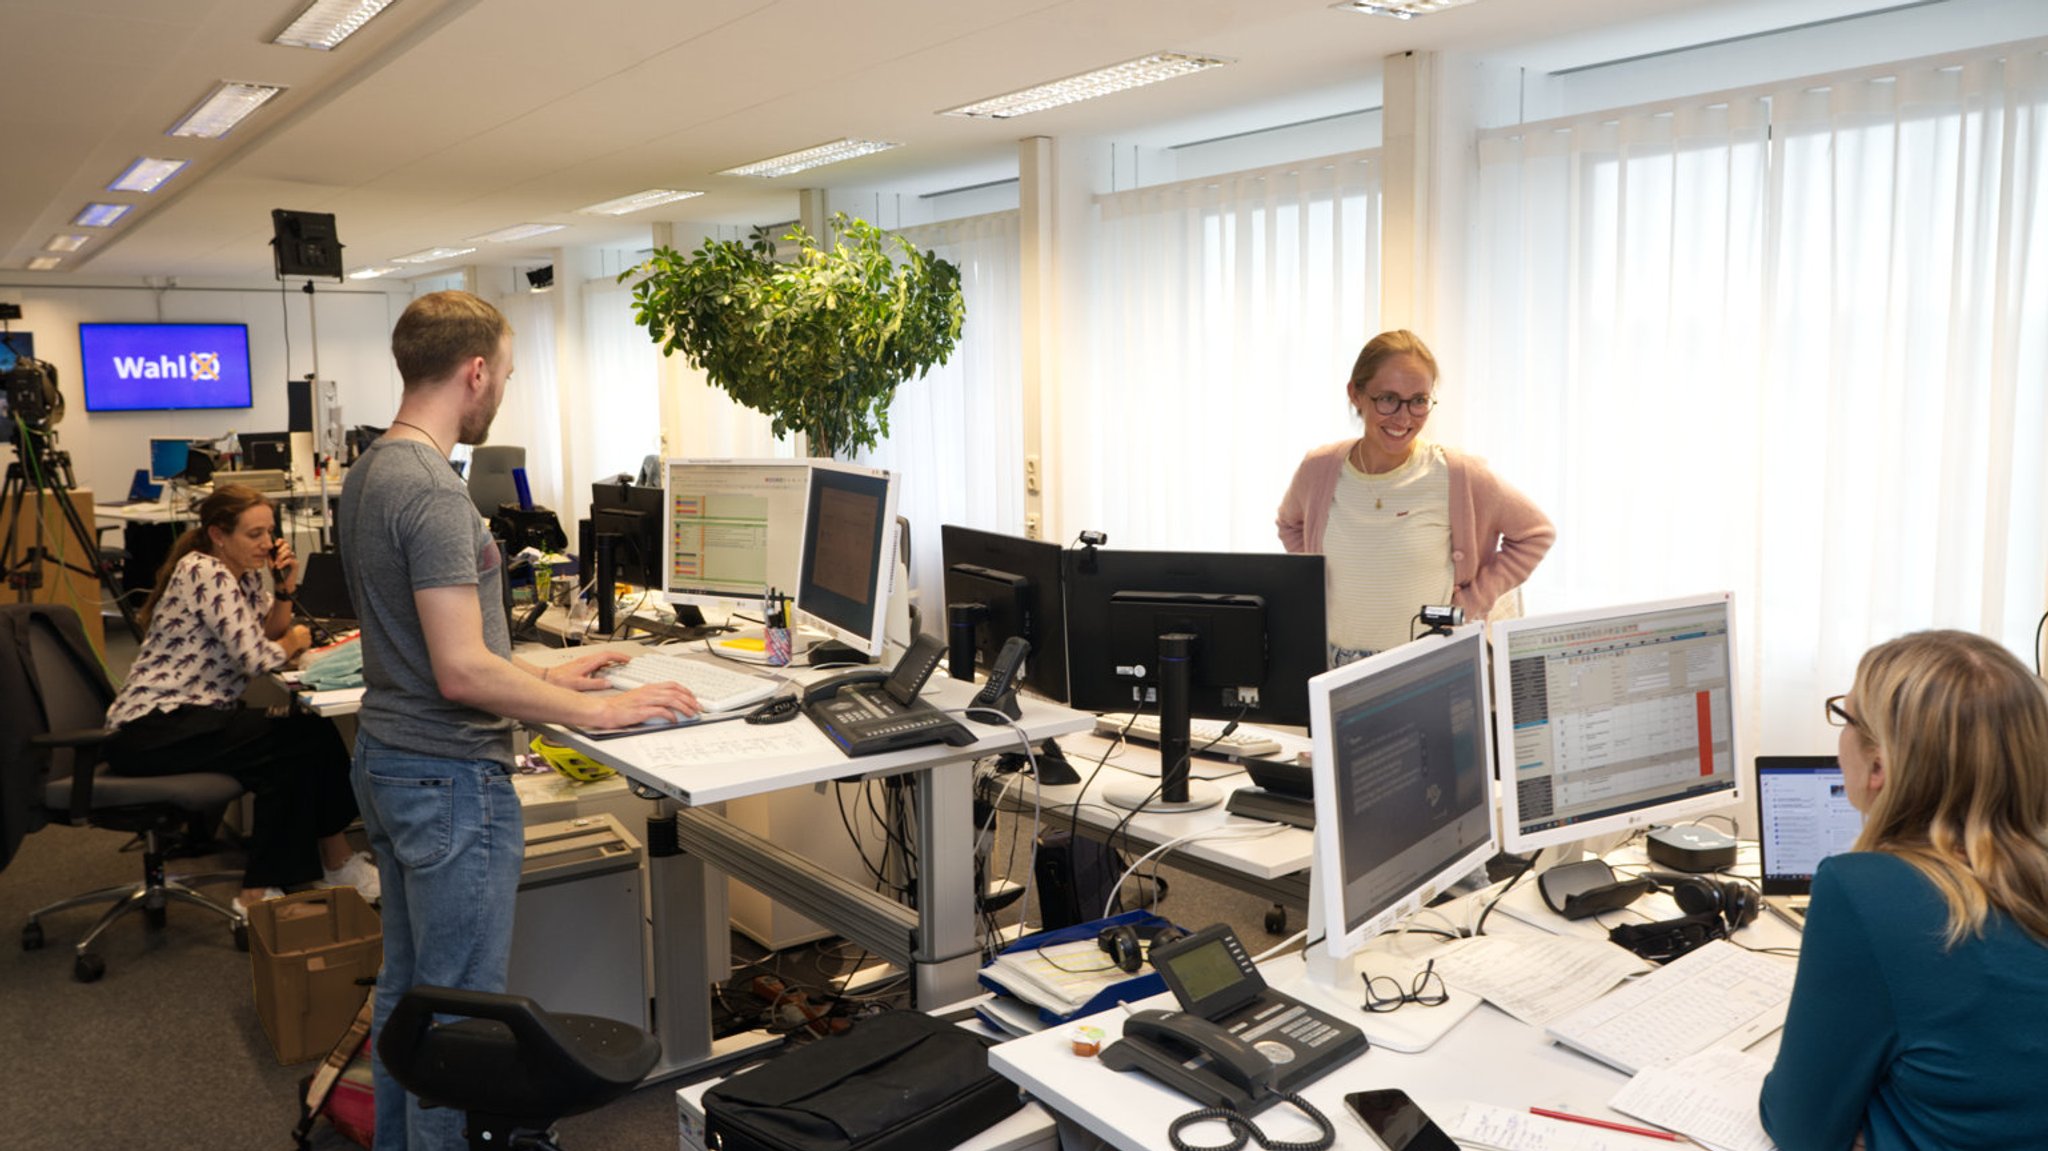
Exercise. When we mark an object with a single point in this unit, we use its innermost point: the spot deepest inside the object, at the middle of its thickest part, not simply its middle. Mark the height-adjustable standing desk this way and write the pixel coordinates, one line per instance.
(694, 767)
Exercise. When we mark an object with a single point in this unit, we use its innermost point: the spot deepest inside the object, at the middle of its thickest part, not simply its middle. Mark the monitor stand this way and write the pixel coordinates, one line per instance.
(1338, 983)
(1143, 796)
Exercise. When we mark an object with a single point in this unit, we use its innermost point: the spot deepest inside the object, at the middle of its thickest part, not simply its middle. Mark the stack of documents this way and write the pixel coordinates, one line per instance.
(1060, 978)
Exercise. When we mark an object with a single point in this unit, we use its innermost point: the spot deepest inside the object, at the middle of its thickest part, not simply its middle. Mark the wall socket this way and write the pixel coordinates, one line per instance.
(1034, 527)
(1031, 475)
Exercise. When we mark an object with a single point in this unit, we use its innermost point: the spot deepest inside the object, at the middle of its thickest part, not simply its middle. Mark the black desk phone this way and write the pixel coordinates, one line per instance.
(1235, 1042)
(870, 711)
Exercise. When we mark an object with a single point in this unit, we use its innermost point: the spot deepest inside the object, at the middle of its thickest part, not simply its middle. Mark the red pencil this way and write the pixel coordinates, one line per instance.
(1610, 1125)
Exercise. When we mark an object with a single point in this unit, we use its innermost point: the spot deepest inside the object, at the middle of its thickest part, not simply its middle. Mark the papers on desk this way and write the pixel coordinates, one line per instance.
(1710, 1098)
(1536, 978)
(1060, 978)
(1506, 1129)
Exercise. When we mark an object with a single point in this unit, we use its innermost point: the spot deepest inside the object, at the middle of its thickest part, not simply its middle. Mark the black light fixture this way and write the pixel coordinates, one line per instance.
(542, 278)
(305, 244)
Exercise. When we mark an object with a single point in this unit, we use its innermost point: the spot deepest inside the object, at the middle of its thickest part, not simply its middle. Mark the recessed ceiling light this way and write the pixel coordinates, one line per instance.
(627, 205)
(223, 108)
(792, 162)
(66, 242)
(44, 263)
(326, 23)
(1088, 85)
(432, 255)
(97, 215)
(147, 175)
(1398, 9)
(372, 271)
(515, 232)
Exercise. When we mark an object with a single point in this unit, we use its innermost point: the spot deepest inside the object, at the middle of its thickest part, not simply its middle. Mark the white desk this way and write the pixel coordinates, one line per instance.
(694, 766)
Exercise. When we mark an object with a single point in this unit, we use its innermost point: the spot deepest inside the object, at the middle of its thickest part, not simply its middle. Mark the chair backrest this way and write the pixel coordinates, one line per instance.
(50, 680)
(490, 476)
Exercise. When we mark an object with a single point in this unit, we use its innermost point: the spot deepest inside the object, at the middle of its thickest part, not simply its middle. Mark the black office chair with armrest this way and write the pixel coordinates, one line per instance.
(53, 705)
(513, 1068)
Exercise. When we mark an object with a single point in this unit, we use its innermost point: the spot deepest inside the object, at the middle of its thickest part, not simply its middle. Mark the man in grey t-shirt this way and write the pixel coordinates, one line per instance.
(434, 745)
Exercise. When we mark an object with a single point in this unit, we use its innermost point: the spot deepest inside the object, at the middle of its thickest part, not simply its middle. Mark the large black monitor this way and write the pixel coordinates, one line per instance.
(998, 586)
(1257, 619)
(266, 450)
(634, 514)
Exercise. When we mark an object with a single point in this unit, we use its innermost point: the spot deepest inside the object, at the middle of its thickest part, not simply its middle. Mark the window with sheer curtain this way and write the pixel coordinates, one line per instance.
(1225, 313)
(1789, 341)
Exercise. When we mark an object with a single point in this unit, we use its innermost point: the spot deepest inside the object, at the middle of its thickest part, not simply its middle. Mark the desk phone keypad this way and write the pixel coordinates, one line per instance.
(1291, 1022)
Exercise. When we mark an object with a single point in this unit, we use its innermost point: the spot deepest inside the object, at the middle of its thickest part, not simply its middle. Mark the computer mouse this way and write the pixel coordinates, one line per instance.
(777, 710)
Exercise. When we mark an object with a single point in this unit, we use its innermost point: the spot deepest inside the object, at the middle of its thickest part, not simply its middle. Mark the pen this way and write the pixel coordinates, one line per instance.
(1611, 1126)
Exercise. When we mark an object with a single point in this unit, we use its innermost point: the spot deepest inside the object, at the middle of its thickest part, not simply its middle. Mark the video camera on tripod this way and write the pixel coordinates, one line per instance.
(29, 399)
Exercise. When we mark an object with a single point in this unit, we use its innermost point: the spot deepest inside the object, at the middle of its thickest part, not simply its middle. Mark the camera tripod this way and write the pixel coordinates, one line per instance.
(24, 570)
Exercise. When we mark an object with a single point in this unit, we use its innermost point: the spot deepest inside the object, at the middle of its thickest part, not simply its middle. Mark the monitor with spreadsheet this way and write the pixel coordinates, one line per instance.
(1614, 719)
(848, 564)
(168, 458)
(735, 529)
(999, 586)
(1403, 780)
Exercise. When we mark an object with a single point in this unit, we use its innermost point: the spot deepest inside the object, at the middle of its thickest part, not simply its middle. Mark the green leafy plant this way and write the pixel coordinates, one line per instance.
(820, 343)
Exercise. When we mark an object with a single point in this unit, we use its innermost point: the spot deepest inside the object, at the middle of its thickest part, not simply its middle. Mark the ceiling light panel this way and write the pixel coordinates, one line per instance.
(638, 201)
(66, 242)
(1088, 85)
(147, 175)
(1398, 9)
(514, 233)
(432, 255)
(791, 163)
(223, 108)
(326, 23)
(372, 271)
(97, 215)
(44, 263)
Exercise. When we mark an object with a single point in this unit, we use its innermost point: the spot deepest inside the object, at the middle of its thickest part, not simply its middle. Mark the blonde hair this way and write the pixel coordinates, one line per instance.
(1960, 727)
(441, 331)
(223, 509)
(1384, 347)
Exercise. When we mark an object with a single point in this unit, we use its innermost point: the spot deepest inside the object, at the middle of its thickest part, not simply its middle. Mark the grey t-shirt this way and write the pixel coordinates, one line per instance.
(407, 523)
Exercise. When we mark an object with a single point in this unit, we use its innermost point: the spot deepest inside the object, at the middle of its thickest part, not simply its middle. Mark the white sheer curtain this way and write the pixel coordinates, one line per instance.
(1226, 313)
(614, 413)
(955, 435)
(530, 417)
(1790, 342)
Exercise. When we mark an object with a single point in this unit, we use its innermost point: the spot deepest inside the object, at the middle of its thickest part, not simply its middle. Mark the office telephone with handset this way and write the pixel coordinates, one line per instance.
(863, 718)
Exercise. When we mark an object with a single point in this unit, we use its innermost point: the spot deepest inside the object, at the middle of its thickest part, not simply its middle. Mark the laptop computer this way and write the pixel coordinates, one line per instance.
(323, 590)
(1803, 816)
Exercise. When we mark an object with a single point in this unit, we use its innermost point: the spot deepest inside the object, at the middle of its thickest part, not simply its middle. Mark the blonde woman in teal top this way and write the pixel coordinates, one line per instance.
(1919, 1017)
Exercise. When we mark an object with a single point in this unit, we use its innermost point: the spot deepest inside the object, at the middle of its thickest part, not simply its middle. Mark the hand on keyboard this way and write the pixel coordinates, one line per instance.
(657, 702)
(581, 673)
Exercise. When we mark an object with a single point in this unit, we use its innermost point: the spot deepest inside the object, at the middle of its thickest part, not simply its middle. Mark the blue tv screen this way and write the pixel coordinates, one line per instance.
(164, 367)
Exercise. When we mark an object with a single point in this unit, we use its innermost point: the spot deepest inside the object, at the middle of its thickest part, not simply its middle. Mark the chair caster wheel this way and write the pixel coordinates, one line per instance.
(32, 937)
(87, 968)
(241, 932)
(1276, 920)
(155, 917)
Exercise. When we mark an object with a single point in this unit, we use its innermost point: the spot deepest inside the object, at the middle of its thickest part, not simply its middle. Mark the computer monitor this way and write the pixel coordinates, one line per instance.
(634, 514)
(998, 586)
(1614, 719)
(848, 568)
(1403, 777)
(735, 530)
(168, 459)
(267, 450)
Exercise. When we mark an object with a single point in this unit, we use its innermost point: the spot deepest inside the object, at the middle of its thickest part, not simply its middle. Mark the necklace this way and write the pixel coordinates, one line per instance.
(422, 431)
(1358, 462)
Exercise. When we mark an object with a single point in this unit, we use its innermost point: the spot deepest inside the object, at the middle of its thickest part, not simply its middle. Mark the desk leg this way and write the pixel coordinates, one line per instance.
(945, 887)
(692, 951)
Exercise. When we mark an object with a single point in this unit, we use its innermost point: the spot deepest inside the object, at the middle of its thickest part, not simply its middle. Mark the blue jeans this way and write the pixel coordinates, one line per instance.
(449, 841)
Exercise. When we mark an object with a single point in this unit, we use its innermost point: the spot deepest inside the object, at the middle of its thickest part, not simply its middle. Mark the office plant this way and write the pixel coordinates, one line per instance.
(819, 343)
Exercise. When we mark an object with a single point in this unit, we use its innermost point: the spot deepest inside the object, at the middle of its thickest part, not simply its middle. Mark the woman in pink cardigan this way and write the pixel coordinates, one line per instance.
(1401, 521)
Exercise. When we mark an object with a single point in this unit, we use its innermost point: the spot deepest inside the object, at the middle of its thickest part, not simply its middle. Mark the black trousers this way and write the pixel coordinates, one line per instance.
(295, 765)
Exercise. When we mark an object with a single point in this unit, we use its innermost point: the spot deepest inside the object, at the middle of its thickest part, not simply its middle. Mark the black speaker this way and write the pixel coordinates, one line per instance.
(305, 244)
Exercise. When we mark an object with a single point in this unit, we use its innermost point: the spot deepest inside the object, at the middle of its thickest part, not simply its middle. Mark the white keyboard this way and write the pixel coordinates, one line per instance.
(717, 688)
(1203, 735)
(1718, 992)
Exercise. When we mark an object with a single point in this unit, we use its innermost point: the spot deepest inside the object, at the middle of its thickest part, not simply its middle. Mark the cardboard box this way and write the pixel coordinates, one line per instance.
(312, 957)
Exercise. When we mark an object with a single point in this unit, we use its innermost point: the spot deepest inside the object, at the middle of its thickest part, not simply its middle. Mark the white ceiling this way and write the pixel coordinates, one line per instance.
(445, 119)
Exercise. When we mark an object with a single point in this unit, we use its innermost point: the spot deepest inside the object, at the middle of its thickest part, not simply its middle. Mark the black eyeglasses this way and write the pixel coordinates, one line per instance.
(1839, 717)
(1383, 993)
(1387, 403)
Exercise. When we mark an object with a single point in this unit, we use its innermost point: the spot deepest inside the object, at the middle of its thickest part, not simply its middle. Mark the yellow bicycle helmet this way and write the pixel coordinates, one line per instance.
(570, 762)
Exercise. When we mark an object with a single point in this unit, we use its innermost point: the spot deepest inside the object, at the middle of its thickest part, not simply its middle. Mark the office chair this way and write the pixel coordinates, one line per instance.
(490, 477)
(53, 705)
(513, 1068)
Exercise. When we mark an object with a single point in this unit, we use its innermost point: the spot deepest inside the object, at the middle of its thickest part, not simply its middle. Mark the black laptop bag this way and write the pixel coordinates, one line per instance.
(903, 1081)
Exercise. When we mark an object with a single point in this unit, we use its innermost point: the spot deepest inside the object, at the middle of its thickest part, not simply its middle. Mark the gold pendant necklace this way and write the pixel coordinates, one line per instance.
(1358, 461)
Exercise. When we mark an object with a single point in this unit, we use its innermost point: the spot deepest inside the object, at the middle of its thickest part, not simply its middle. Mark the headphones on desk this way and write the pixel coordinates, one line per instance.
(1126, 944)
(1713, 909)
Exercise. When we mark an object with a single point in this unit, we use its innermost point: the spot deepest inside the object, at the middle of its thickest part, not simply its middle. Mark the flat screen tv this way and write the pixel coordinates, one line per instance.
(164, 367)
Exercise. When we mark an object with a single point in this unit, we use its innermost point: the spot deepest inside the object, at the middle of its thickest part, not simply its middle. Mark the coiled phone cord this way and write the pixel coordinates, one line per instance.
(1243, 1129)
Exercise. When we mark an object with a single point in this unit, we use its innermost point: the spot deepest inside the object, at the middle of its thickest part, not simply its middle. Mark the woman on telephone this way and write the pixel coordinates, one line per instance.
(214, 623)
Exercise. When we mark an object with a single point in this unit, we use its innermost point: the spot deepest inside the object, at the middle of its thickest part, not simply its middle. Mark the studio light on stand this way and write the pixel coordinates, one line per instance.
(306, 244)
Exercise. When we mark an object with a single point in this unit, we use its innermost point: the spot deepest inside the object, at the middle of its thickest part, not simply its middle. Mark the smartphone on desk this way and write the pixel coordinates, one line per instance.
(1397, 1122)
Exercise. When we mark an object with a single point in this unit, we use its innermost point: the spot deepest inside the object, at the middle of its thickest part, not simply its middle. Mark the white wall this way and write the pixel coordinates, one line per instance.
(107, 447)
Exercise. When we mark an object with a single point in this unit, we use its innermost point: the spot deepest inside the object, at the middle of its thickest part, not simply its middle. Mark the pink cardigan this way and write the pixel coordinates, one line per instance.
(1497, 535)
